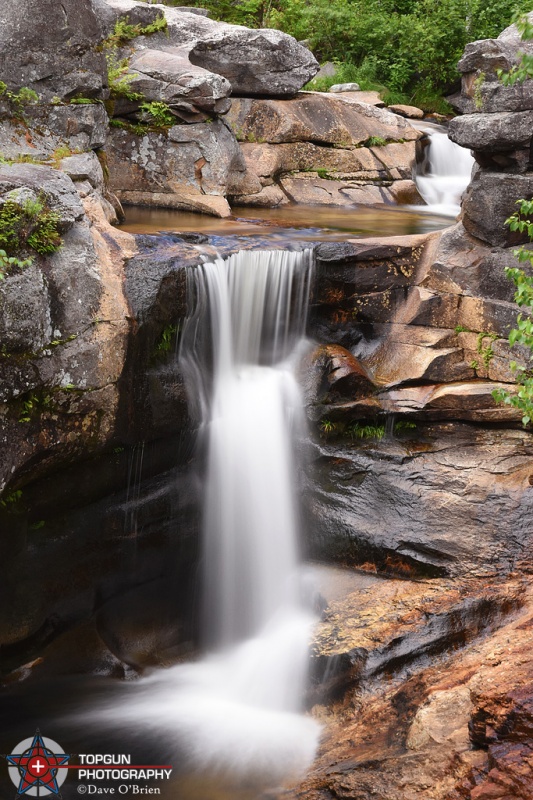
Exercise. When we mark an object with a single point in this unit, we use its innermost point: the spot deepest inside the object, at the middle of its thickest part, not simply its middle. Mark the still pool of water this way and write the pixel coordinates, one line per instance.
(307, 223)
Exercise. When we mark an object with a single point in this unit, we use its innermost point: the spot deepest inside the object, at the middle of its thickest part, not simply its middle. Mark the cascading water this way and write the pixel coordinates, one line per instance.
(446, 172)
(237, 710)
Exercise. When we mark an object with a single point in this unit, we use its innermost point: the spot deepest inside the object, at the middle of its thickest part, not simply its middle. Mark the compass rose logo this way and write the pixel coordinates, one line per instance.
(35, 767)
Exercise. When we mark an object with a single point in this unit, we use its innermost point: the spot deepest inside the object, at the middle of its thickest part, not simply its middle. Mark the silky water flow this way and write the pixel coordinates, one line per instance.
(237, 711)
(446, 173)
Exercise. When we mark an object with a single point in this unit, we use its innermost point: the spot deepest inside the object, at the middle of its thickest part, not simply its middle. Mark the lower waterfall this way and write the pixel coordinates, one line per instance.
(236, 711)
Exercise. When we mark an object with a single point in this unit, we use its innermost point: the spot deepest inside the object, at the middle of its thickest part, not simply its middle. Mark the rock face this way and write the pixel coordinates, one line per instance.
(193, 167)
(321, 149)
(497, 126)
(55, 53)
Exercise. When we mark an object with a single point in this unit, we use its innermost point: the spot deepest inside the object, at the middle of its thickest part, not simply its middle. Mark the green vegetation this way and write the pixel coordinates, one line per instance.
(375, 141)
(524, 69)
(159, 114)
(478, 97)
(406, 49)
(124, 32)
(23, 97)
(360, 430)
(29, 225)
(521, 221)
(11, 501)
(8, 263)
(119, 78)
(485, 351)
(167, 339)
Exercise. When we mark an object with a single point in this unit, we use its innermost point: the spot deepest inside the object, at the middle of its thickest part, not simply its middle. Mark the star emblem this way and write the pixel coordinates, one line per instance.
(38, 767)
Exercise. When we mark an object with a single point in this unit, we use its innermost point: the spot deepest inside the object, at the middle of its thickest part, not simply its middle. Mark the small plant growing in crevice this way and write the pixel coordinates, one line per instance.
(327, 427)
(375, 141)
(167, 338)
(11, 502)
(30, 225)
(478, 96)
(486, 352)
(17, 100)
(159, 113)
(119, 78)
(357, 431)
(8, 263)
(124, 31)
(34, 405)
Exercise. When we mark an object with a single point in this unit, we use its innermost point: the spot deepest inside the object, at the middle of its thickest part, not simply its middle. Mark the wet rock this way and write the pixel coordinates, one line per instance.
(365, 747)
(333, 374)
(408, 497)
(313, 190)
(54, 55)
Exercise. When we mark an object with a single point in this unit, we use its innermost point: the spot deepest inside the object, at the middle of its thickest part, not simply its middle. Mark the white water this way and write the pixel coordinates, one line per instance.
(447, 173)
(237, 711)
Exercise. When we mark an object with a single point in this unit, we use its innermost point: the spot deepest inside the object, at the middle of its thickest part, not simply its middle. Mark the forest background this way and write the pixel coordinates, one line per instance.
(406, 49)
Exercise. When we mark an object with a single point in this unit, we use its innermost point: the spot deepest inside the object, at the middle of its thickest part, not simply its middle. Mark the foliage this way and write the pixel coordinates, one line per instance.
(524, 69)
(357, 431)
(7, 263)
(406, 49)
(28, 225)
(119, 78)
(124, 32)
(18, 99)
(375, 141)
(167, 338)
(10, 501)
(523, 333)
(159, 113)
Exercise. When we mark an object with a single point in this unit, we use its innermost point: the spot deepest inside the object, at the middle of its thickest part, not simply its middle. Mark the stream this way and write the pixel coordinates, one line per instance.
(231, 723)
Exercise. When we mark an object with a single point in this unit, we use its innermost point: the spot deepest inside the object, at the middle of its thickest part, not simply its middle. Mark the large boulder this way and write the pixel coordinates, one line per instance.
(481, 89)
(491, 199)
(314, 117)
(51, 48)
(261, 62)
(193, 168)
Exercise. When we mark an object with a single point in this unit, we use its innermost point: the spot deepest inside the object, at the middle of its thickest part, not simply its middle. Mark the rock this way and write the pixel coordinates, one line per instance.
(344, 87)
(481, 89)
(493, 132)
(327, 70)
(489, 200)
(170, 77)
(408, 498)
(443, 718)
(315, 117)
(313, 190)
(194, 168)
(332, 374)
(268, 197)
(55, 54)
(66, 389)
(84, 167)
(411, 112)
(263, 62)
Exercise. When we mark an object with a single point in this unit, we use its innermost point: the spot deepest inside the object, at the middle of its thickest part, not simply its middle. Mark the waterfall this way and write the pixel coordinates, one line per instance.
(446, 172)
(237, 710)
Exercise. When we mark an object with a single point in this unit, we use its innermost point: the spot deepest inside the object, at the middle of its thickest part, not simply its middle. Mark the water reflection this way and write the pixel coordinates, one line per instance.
(309, 223)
